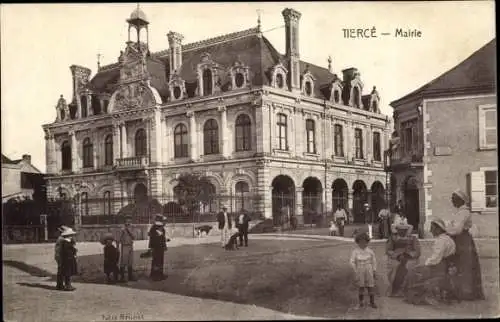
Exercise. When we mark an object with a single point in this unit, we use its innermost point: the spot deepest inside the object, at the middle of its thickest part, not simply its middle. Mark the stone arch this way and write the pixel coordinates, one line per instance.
(102, 188)
(241, 175)
(312, 195)
(359, 198)
(132, 188)
(377, 197)
(63, 189)
(283, 198)
(340, 191)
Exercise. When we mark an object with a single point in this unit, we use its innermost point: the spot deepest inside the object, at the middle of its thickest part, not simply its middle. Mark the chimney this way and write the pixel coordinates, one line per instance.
(27, 158)
(80, 76)
(292, 18)
(175, 45)
(350, 74)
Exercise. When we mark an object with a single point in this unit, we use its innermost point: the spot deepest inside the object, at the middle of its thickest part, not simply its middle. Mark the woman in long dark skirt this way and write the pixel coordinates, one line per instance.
(469, 268)
(158, 246)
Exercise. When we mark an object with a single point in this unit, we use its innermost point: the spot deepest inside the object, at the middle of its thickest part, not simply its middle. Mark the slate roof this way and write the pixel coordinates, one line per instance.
(7, 160)
(474, 75)
(247, 46)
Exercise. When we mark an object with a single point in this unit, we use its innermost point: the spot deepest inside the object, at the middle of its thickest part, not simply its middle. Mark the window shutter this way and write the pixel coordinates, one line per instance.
(477, 190)
(481, 127)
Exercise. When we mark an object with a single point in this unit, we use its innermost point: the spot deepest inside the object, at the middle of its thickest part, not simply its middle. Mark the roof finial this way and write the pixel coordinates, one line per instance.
(330, 64)
(259, 11)
(98, 61)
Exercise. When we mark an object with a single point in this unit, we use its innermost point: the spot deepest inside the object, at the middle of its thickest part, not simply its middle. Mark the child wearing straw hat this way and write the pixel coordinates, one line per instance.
(68, 257)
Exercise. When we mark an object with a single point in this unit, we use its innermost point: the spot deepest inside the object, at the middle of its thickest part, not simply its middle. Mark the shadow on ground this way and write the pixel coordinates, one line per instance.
(308, 278)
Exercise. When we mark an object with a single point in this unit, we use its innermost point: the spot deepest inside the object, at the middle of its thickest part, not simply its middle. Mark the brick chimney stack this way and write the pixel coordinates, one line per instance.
(292, 18)
(175, 45)
(27, 158)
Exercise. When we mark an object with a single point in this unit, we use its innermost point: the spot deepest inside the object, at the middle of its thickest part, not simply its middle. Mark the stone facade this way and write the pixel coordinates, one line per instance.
(300, 138)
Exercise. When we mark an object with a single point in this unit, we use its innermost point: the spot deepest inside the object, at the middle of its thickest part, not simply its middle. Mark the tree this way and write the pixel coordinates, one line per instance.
(192, 189)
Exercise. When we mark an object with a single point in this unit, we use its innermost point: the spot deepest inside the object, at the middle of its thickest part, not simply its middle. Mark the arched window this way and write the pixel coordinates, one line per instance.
(308, 88)
(239, 80)
(282, 132)
(279, 80)
(336, 96)
(88, 153)
(180, 141)
(243, 133)
(211, 137)
(108, 150)
(177, 92)
(339, 140)
(66, 155)
(207, 82)
(377, 155)
(107, 203)
(355, 97)
(358, 142)
(311, 137)
(84, 202)
(83, 103)
(241, 189)
(140, 143)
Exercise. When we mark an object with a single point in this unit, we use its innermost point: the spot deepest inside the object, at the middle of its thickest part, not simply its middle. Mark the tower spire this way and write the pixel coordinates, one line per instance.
(259, 11)
(99, 61)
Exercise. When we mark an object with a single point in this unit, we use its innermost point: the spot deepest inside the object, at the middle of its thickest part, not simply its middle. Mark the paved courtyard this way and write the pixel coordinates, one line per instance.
(277, 277)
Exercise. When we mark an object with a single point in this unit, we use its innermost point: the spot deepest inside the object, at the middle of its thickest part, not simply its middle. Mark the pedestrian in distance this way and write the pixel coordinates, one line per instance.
(57, 257)
(242, 225)
(111, 257)
(68, 258)
(225, 225)
(158, 246)
(340, 218)
(127, 251)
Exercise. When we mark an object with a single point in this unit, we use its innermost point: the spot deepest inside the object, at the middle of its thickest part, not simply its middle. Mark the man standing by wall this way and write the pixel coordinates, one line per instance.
(126, 241)
(225, 225)
(242, 224)
(340, 218)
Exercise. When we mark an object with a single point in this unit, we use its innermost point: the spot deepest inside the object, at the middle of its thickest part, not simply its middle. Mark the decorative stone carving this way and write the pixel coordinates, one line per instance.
(177, 87)
(133, 95)
(278, 78)
(307, 85)
(239, 75)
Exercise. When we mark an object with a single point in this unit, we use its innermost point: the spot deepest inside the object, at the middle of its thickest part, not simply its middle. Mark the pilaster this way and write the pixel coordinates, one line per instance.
(124, 144)
(116, 142)
(299, 210)
(156, 135)
(193, 135)
(224, 131)
(74, 153)
(327, 200)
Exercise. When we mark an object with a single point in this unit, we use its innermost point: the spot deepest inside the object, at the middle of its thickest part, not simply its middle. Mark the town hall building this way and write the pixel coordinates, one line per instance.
(253, 121)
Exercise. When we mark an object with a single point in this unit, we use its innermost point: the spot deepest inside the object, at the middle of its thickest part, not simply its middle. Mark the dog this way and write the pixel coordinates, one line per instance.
(232, 244)
(205, 229)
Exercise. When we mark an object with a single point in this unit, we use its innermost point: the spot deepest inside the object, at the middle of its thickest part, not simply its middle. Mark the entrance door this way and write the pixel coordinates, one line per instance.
(412, 204)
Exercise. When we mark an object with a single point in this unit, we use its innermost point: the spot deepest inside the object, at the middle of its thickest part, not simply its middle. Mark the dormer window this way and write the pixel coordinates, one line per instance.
(336, 96)
(239, 80)
(177, 87)
(239, 75)
(278, 76)
(177, 92)
(356, 97)
(207, 82)
(279, 81)
(307, 83)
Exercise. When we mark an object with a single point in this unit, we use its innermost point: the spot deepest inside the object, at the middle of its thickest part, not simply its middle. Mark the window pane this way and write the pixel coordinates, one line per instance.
(491, 118)
(491, 189)
(490, 176)
(491, 136)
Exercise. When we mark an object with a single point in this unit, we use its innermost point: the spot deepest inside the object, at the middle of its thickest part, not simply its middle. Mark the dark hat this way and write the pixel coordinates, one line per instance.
(361, 236)
(106, 237)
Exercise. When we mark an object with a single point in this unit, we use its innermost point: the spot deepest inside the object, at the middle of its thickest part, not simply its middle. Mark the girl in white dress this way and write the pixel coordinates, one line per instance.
(364, 264)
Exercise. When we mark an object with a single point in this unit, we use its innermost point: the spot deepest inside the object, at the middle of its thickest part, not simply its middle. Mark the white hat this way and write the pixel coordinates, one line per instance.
(366, 205)
(68, 231)
(439, 222)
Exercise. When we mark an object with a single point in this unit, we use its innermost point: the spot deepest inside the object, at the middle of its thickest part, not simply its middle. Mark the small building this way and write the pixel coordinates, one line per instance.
(20, 178)
(445, 139)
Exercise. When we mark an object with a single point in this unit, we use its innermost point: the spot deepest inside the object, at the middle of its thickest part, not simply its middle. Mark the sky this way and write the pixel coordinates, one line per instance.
(40, 41)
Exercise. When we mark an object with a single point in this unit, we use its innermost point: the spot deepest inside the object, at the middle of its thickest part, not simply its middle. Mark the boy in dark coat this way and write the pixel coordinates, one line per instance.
(67, 256)
(111, 257)
(158, 245)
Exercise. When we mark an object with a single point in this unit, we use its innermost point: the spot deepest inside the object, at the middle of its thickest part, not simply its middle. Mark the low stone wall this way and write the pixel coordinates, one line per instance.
(91, 233)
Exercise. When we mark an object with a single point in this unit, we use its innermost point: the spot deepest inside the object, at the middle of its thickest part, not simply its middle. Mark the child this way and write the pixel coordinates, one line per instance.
(111, 256)
(67, 257)
(333, 229)
(364, 263)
